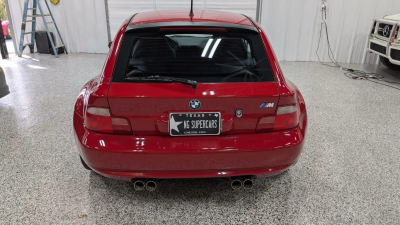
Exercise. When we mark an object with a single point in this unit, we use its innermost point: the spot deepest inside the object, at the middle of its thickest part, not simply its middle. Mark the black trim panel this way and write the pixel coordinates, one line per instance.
(130, 21)
(395, 54)
(251, 21)
(378, 48)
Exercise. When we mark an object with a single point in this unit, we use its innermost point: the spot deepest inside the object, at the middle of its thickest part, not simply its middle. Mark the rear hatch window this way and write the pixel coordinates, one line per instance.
(205, 55)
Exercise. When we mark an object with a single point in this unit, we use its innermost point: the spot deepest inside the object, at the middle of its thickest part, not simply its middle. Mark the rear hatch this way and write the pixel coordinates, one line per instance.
(235, 86)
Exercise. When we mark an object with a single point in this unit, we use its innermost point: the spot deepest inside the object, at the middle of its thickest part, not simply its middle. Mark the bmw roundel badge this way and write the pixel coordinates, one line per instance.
(195, 104)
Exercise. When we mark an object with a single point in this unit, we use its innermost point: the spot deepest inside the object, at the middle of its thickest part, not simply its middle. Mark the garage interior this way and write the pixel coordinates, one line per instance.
(348, 172)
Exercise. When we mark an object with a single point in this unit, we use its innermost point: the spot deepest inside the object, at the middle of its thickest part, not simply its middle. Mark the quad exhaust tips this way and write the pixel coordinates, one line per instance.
(141, 184)
(245, 182)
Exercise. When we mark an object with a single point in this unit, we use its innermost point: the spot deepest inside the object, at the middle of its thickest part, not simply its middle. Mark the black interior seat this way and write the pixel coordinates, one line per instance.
(153, 48)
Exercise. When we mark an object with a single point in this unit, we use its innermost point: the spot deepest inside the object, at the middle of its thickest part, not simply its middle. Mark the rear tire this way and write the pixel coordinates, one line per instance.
(388, 64)
(85, 165)
(8, 32)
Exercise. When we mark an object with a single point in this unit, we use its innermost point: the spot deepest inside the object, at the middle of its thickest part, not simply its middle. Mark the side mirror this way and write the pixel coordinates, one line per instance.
(109, 44)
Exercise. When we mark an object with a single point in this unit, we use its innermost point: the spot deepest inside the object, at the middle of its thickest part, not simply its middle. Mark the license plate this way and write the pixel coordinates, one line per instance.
(186, 124)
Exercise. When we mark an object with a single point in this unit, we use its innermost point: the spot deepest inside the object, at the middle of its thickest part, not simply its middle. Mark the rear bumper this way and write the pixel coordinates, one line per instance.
(127, 157)
(384, 49)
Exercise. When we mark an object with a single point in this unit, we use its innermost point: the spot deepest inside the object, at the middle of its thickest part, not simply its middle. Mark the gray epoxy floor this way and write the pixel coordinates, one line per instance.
(349, 172)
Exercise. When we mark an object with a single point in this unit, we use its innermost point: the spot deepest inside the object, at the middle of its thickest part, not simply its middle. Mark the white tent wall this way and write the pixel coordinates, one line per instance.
(119, 10)
(293, 27)
(82, 24)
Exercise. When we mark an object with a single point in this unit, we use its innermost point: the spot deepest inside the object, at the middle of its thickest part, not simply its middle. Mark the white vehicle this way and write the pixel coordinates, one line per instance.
(385, 40)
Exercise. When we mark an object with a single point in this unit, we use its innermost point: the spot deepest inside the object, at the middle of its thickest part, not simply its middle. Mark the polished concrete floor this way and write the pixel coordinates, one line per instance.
(349, 172)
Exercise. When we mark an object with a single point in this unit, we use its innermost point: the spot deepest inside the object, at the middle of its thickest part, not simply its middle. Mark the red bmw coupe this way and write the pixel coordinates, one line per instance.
(190, 97)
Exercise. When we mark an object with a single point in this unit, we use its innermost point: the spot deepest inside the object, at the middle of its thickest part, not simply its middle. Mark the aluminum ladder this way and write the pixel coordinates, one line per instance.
(36, 5)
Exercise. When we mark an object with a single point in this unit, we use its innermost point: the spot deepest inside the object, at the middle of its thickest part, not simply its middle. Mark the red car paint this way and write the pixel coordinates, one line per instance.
(183, 16)
(149, 152)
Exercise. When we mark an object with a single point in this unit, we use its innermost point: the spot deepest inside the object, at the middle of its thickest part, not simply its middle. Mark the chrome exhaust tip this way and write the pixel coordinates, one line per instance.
(151, 185)
(236, 184)
(139, 185)
(248, 183)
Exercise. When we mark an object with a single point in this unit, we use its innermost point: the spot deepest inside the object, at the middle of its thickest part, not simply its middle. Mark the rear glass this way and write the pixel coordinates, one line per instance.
(212, 56)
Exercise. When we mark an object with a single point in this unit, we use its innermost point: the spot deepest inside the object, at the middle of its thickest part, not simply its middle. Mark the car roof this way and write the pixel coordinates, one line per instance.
(183, 16)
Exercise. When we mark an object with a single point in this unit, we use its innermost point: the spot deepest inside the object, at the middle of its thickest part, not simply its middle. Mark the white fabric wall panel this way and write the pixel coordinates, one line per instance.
(293, 27)
(247, 7)
(82, 24)
(119, 10)
(178, 4)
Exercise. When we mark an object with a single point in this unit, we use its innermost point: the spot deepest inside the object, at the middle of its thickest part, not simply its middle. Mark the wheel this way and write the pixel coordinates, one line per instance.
(85, 165)
(9, 32)
(387, 63)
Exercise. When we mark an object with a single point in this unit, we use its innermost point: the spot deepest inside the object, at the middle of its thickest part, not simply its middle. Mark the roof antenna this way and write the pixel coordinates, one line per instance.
(191, 14)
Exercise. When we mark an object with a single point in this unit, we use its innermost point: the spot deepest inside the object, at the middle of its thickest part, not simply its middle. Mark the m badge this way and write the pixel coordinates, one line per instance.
(55, 2)
(267, 105)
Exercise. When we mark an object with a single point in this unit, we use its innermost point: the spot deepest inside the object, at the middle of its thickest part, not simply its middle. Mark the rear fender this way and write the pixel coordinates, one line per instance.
(287, 94)
(93, 92)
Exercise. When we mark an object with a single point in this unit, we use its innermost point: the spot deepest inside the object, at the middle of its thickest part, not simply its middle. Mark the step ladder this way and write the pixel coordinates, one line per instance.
(36, 5)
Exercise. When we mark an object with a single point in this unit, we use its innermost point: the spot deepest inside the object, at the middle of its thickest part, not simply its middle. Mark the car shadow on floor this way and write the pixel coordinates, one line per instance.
(110, 198)
(391, 75)
(199, 189)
